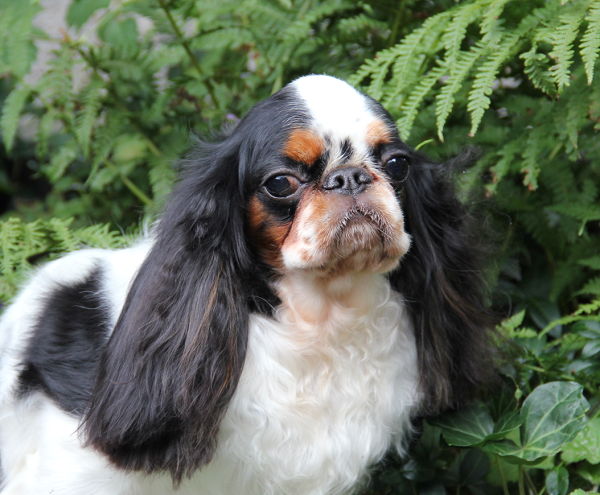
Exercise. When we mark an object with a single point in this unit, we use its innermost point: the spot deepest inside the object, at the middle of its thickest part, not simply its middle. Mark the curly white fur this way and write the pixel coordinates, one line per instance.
(328, 386)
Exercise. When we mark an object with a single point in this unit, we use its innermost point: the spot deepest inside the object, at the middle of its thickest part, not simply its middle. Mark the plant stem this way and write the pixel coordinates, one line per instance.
(277, 85)
(530, 483)
(394, 33)
(504, 485)
(184, 42)
(521, 486)
(129, 184)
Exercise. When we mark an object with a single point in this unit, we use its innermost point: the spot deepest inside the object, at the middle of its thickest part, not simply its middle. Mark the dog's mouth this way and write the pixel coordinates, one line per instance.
(360, 228)
(364, 239)
(335, 233)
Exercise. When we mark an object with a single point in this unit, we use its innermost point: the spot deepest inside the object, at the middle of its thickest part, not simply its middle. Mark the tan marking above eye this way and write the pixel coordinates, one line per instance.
(378, 133)
(304, 146)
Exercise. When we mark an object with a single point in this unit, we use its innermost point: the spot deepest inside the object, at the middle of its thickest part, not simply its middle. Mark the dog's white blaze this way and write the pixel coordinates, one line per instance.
(338, 111)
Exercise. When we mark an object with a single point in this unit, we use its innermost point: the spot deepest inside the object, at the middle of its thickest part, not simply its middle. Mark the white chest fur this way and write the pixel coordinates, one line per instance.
(325, 390)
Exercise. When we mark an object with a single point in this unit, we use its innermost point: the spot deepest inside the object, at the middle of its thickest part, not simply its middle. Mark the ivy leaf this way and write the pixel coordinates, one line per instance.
(469, 426)
(474, 467)
(586, 446)
(552, 416)
(557, 481)
(505, 425)
(554, 413)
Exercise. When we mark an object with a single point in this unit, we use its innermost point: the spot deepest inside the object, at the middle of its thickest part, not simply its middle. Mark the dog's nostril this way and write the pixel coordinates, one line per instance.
(347, 180)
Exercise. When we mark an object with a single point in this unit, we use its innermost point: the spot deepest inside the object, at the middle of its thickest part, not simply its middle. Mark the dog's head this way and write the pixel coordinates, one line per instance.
(315, 180)
(326, 197)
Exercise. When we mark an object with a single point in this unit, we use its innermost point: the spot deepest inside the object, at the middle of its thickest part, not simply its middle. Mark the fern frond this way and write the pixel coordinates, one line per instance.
(457, 29)
(385, 60)
(590, 42)
(229, 37)
(414, 100)
(507, 159)
(592, 287)
(490, 23)
(363, 72)
(563, 38)
(407, 65)
(593, 262)
(537, 69)
(91, 99)
(162, 176)
(11, 113)
(60, 233)
(61, 160)
(479, 97)
(99, 236)
(458, 74)
(358, 23)
(531, 158)
(582, 212)
(511, 324)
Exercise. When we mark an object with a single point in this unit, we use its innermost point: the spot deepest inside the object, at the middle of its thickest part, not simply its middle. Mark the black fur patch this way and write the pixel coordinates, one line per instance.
(63, 353)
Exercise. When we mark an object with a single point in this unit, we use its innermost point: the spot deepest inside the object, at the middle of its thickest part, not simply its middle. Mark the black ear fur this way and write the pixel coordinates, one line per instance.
(440, 279)
(176, 354)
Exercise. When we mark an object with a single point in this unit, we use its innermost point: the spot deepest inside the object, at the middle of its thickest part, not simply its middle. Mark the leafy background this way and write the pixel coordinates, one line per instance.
(89, 147)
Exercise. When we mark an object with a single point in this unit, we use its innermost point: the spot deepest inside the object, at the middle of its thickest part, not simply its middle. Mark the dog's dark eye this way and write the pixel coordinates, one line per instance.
(282, 186)
(397, 168)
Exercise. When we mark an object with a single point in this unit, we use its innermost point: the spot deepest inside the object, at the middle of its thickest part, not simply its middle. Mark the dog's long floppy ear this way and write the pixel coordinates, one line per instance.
(177, 351)
(441, 282)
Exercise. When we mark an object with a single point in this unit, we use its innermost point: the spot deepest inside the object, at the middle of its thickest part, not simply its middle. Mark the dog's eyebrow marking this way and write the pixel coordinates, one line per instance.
(377, 133)
(304, 146)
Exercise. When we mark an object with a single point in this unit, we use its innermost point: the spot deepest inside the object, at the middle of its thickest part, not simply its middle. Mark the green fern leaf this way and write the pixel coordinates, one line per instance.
(61, 234)
(409, 58)
(479, 97)
(99, 236)
(562, 52)
(592, 287)
(458, 74)
(593, 262)
(351, 26)
(60, 161)
(91, 99)
(531, 158)
(582, 212)
(11, 113)
(413, 102)
(590, 42)
(363, 72)
(385, 59)
(537, 69)
(457, 29)
(162, 175)
(490, 26)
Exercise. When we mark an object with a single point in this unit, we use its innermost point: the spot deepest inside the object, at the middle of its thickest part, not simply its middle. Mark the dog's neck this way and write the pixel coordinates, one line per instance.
(326, 311)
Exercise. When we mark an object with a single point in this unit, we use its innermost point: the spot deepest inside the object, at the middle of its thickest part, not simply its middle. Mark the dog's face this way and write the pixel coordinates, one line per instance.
(327, 199)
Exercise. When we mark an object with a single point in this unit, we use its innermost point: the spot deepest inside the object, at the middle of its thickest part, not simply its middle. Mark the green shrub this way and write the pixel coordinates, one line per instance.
(515, 79)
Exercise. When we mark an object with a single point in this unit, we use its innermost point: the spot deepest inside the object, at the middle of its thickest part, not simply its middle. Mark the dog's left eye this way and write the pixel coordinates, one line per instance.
(282, 186)
(397, 168)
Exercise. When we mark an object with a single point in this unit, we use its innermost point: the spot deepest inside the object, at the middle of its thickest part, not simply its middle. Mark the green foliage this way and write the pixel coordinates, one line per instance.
(113, 110)
(22, 244)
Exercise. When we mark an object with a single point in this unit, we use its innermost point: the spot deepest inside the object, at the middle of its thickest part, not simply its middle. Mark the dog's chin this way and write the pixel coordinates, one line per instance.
(361, 242)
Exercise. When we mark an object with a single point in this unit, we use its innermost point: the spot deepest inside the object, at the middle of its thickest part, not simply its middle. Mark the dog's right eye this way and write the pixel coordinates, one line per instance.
(282, 186)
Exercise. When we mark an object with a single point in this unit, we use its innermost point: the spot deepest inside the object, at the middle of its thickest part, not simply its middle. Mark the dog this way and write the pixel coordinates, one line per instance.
(310, 289)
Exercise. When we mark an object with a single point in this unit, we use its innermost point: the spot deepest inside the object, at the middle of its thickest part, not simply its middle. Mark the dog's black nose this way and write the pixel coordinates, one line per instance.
(347, 180)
